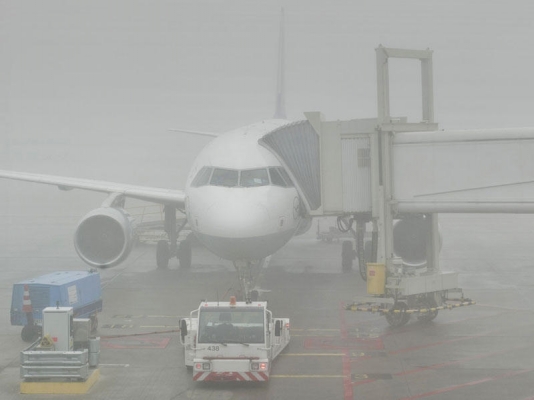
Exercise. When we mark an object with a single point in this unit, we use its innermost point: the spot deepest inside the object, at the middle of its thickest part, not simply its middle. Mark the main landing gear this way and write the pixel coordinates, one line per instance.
(168, 249)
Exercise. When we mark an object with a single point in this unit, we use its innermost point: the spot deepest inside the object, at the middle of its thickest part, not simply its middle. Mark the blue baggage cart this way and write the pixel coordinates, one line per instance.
(80, 290)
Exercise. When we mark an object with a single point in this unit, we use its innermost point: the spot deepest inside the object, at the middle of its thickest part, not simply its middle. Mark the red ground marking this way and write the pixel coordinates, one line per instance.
(442, 365)
(135, 343)
(426, 346)
(345, 343)
(408, 349)
(455, 387)
(410, 328)
(347, 370)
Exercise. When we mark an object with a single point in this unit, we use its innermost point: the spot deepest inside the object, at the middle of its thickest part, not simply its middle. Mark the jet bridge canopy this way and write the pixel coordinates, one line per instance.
(330, 162)
(297, 147)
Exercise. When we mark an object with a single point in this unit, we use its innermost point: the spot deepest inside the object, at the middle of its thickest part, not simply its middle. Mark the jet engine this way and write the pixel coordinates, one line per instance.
(410, 240)
(105, 237)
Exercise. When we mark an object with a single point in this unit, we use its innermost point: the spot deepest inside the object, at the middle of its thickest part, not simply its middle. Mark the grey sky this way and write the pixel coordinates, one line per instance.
(211, 64)
(76, 72)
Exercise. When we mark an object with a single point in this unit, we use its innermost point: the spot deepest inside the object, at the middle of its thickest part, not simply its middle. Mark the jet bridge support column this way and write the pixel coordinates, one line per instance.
(414, 284)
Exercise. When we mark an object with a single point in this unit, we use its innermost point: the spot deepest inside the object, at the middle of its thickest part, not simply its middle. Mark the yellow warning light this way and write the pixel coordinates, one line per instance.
(232, 300)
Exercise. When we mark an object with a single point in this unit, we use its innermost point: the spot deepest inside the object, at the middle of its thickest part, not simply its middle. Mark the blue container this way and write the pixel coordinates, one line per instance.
(80, 290)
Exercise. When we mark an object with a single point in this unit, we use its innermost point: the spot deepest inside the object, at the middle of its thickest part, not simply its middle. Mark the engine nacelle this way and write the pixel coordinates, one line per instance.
(105, 237)
(410, 240)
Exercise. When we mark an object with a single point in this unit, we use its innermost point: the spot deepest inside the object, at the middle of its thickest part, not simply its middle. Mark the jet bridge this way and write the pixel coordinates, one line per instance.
(396, 176)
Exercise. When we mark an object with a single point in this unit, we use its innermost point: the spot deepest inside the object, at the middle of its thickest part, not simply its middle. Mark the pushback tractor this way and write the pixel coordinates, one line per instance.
(232, 341)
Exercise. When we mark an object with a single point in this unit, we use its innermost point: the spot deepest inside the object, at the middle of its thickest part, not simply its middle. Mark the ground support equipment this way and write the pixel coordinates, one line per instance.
(423, 306)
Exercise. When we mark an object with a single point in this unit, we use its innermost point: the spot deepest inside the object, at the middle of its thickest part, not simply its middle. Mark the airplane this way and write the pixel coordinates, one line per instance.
(239, 201)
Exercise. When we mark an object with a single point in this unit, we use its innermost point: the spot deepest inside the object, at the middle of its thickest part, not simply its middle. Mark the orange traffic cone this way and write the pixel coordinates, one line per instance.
(26, 301)
(29, 332)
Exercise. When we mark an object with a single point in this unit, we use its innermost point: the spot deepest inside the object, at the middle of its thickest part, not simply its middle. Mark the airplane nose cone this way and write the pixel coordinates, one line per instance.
(240, 230)
(235, 220)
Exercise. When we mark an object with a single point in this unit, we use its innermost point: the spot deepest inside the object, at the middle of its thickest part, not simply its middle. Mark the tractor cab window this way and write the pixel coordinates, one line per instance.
(231, 325)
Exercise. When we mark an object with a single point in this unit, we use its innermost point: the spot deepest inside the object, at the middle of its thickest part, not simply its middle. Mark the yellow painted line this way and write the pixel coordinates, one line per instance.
(127, 316)
(60, 387)
(159, 326)
(312, 354)
(292, 335)
(313, 330)
(307, 376)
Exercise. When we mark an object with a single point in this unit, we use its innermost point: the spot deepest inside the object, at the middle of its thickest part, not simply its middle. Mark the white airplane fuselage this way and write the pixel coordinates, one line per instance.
(241, 221)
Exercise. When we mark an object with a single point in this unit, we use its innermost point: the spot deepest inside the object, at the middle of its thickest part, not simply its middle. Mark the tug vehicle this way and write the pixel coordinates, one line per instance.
(232, 341)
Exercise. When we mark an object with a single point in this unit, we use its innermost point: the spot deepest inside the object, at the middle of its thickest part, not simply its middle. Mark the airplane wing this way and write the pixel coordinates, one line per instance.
(201, 133)
(156, 195)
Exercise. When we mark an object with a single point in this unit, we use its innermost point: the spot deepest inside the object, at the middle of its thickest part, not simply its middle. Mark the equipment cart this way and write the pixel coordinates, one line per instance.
(80, 290)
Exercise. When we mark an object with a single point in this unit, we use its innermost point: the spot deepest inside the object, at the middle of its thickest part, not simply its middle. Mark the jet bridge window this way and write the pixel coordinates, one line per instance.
(224, 177)
(203, 177)
(254, 177)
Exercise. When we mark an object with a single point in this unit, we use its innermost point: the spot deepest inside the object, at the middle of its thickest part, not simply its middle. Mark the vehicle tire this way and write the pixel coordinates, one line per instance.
(29, 333)
(94, 323)
(347, 255)
(185, 254)
(428, 302)
(162, 254)
(397, 315)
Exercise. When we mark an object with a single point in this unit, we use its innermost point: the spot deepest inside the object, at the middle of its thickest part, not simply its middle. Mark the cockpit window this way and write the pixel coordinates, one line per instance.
(276, 178)
(254, 177)
(224, 177)
(203, 177)
(286, 177)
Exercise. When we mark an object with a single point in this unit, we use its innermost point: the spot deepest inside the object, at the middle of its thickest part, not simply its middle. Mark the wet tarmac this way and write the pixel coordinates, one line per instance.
(479, 352)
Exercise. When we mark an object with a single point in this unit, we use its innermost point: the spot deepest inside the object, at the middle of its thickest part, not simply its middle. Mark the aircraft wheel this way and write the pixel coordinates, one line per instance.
(254, 295)
(367, 249)
(399, 317)
(347, 255)
(185, 254)
(29, 333)
(163, 254)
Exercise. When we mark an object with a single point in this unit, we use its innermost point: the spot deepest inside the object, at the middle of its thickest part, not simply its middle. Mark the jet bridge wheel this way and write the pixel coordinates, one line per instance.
(163, 254)
(427, 303)
(184, 254)
(397, 315)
